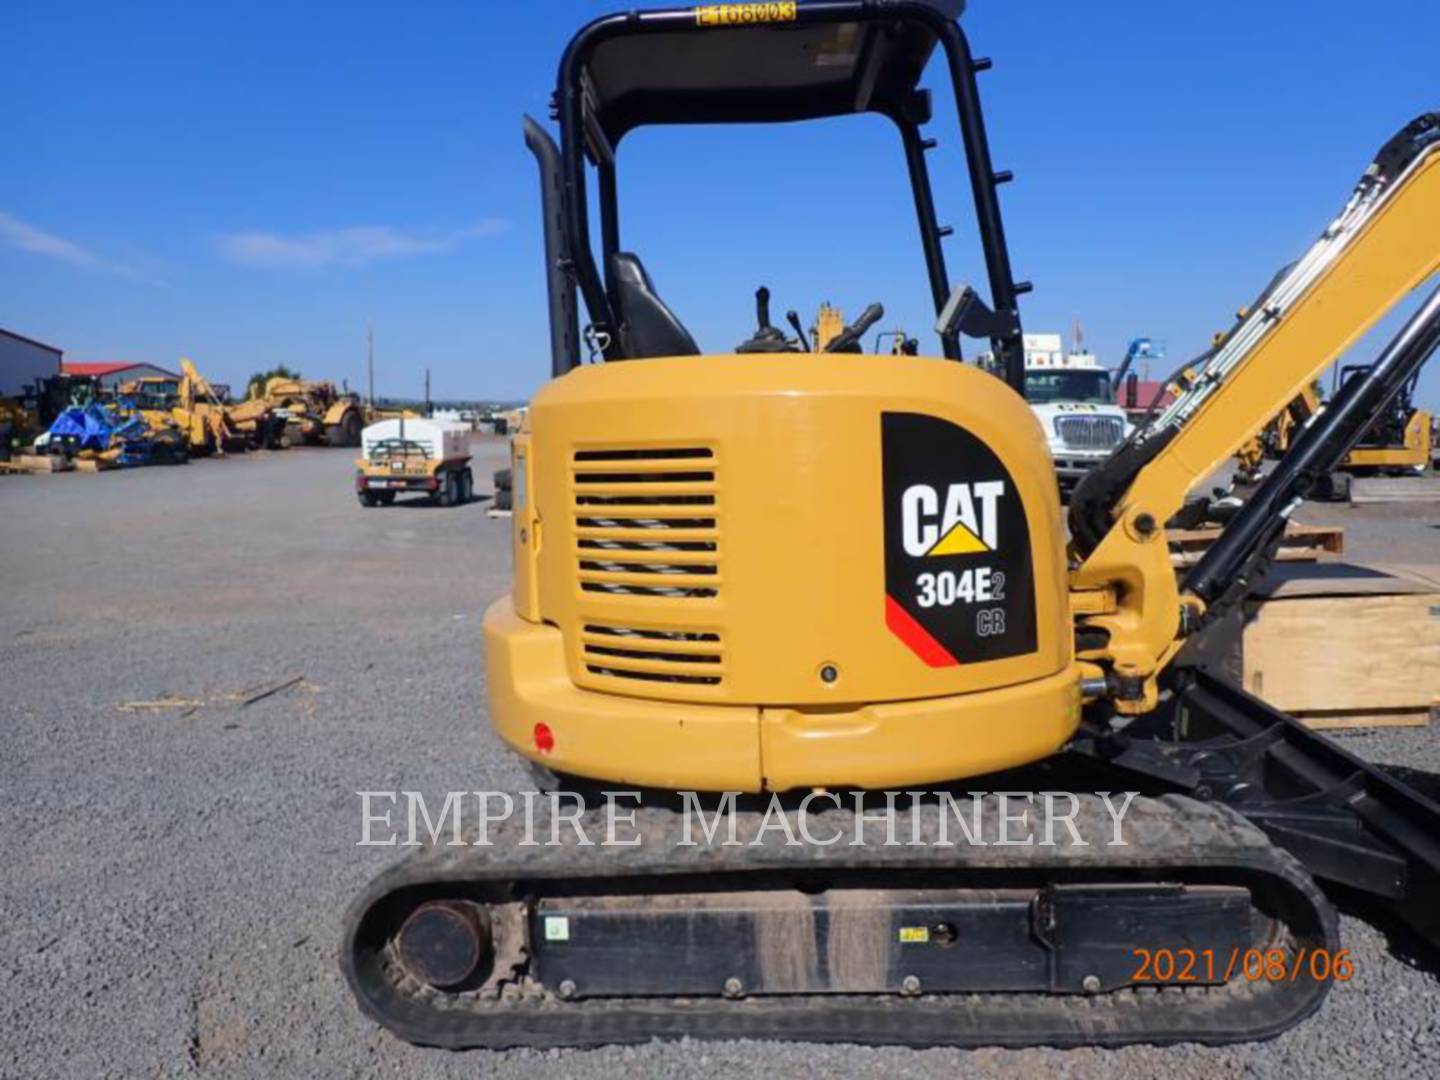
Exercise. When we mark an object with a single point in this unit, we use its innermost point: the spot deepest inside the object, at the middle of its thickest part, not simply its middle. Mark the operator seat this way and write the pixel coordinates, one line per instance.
(647, 327)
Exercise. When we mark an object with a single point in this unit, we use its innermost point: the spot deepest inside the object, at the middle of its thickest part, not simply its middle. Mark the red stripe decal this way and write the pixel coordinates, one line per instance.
(903, 625)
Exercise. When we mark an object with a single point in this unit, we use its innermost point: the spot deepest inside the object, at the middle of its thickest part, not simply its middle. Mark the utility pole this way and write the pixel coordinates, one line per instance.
(370, 360)
(427, 392)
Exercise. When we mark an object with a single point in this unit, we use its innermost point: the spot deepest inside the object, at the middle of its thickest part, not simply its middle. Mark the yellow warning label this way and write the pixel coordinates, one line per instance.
(958, 541)
(914, 935)
(745, 14)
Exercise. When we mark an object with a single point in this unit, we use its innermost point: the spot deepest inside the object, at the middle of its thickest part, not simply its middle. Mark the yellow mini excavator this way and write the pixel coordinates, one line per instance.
(1398, 442)
(817, 573)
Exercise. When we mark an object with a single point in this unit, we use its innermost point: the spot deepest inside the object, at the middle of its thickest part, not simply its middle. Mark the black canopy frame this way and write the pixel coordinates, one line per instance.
(759, 63)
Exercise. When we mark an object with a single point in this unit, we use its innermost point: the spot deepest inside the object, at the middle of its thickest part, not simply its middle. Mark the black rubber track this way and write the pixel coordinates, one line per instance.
(1171, 839)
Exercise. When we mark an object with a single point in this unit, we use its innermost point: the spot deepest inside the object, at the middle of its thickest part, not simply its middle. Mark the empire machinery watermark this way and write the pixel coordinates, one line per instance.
(820, 818)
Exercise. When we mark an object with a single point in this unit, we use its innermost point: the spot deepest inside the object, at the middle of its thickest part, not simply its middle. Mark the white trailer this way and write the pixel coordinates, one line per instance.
(414, 454)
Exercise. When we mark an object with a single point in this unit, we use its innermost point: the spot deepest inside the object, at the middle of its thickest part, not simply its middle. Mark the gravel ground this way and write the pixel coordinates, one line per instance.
(174, 878)
(1394, 534)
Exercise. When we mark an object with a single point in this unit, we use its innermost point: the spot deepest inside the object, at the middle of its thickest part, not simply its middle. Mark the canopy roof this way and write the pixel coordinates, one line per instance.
(672, 67)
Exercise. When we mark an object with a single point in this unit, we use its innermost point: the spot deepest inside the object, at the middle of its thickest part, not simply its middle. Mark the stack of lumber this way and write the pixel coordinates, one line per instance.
(1341, 646)
(1302, 543)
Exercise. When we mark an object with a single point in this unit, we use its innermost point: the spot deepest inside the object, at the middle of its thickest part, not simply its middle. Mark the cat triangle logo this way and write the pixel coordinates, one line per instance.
(958, 541)
(963, 520)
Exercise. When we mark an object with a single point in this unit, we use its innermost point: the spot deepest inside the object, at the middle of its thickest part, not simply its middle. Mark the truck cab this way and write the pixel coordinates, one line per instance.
(1071, 396)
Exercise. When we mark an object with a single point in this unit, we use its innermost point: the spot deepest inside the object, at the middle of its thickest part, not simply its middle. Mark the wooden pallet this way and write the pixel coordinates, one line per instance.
(1341, 720)
(36, 463)
(1302, 543)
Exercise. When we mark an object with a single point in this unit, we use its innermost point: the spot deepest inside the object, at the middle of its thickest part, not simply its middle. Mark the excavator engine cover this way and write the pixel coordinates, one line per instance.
(775, 572)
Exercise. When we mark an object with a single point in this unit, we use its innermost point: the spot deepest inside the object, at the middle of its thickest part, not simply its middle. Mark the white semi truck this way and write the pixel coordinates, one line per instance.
(1071, 395)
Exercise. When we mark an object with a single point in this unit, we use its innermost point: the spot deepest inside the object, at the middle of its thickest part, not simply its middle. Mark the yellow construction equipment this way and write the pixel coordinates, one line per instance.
(766, 572)
(315, 412)
(189, 405)
(19, 424)
(1399, 442)
(828, 323)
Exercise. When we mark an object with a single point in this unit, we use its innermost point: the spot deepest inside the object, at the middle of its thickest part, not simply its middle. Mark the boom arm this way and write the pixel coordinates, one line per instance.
(195, 386)
(1385, 242)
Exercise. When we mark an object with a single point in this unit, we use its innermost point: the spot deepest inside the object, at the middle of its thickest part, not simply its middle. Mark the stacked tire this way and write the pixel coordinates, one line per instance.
(504, 494)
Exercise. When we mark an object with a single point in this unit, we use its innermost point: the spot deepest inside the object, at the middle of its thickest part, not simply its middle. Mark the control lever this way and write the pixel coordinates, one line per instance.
(848, 340)
(762, 308)
(767, 338)
(794, 320)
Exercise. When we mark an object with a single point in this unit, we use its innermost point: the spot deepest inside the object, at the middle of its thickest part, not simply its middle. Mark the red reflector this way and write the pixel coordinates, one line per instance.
(544, 738)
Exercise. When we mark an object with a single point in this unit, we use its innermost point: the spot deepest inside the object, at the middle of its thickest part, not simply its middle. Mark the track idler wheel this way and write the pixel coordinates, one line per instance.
(446, 943)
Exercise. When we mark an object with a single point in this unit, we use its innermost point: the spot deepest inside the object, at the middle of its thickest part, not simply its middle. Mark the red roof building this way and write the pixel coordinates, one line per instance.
(114, 372)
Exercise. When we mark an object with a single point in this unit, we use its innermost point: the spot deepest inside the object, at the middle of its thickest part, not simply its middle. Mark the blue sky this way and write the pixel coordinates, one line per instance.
(250, 184)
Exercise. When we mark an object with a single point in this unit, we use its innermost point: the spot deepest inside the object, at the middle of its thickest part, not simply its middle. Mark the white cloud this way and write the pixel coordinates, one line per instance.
(26, 237)
(354, 246)
(23, 236)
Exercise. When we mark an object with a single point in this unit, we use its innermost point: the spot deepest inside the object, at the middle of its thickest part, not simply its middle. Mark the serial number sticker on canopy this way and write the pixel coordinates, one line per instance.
(745, 14)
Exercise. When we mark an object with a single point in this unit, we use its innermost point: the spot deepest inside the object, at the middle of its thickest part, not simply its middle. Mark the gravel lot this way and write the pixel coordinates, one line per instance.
(174, 878)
